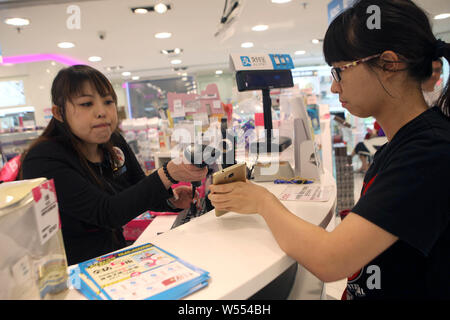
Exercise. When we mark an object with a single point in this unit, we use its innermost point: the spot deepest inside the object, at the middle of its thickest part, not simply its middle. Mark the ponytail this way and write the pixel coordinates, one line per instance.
(443, 50)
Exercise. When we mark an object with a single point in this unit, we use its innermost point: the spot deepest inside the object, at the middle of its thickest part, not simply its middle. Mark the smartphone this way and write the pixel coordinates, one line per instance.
(237, 172)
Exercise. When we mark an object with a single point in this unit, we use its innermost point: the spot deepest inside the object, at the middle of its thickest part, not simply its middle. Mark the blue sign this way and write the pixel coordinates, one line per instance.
(335, 7)
(246, 62)
(281, 61)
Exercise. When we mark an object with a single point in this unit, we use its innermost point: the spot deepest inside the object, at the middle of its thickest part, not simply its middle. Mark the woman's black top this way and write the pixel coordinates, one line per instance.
(92, 215)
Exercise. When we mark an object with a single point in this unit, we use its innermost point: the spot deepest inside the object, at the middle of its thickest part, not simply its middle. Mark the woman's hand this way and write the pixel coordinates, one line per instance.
(183, 197)
(241, 197)
(181, 171)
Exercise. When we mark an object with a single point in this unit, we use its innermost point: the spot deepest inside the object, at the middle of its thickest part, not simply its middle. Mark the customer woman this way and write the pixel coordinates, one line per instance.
(99, 184)
(396, 241)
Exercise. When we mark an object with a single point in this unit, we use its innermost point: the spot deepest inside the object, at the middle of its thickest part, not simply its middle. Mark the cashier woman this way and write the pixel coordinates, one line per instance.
(395, 243)
(99, 184)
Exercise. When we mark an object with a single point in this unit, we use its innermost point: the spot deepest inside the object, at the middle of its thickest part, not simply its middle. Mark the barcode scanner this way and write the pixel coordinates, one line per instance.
(201, 156)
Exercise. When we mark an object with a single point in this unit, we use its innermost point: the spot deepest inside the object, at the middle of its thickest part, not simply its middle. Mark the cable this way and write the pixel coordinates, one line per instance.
(223, 19)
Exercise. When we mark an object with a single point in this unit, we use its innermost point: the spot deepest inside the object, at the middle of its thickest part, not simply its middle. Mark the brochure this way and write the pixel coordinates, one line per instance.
(145, 272)
(306, 193)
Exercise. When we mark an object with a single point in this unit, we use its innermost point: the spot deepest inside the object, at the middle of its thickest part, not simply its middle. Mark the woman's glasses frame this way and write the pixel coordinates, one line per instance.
(336, 71)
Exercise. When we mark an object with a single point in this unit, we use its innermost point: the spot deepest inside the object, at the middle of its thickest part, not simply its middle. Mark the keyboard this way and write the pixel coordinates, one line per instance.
(189, 214)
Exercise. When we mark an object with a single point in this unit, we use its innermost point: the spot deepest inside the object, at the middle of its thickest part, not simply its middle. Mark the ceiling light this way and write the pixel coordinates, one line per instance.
(66, 45)
(219, 71)
(247, 45)
(163, 35)
(113, 68)
(260, 27)
(135, 78)
(315, 41)
(300, 52)
(18, 22)
(94, 59)
(140, 11)
(126, 74)
(184, 79)
(281, 1)
(442, 16)
(160, 8)
(175, 61)
(175, 51)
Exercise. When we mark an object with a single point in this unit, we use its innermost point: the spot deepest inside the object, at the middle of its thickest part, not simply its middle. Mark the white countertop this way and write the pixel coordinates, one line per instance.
(238, 251)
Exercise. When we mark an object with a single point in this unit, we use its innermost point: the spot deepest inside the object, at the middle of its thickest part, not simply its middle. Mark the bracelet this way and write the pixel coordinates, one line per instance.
(166, 172)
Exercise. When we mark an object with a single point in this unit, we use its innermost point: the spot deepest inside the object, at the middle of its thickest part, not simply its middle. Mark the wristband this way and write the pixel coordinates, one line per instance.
(166, 172)
(170, 204)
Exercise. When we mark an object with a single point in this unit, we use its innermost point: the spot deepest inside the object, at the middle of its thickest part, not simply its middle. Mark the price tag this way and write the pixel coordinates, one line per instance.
(217, 104)
(46, 210)
(178, 109)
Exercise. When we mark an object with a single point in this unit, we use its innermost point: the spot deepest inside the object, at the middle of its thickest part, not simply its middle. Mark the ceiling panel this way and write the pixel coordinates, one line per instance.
(129, 39)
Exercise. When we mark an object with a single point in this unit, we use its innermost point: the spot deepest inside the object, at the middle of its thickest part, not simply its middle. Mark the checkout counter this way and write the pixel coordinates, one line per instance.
(239, 251)
(241, 254)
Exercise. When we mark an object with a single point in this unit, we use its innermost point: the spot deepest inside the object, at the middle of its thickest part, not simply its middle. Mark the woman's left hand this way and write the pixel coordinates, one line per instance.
(183, 197)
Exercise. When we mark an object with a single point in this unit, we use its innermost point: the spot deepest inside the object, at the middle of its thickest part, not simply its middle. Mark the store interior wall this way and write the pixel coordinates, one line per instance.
(37, 78)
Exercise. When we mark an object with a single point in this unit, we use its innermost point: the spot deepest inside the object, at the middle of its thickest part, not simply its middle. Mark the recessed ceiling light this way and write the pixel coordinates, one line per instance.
(163, 35)
(300, 52)
(66, 45)
(247, 45)
(160, 8)
(175, 61)
(94, 59)
(18, 22)
(315, 41)
(184, 79)
(260, 27)
(219, 71)
(140, 11)
(281, 1)
(126, 73)
(135, 78)
(175, 51)
(442, 16)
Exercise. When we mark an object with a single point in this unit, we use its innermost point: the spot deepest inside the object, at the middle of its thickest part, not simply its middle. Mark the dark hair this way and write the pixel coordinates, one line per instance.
(405, 29)
(68, 84)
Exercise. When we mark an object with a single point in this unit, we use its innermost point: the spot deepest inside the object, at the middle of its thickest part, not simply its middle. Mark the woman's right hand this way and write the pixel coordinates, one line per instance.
(181, 171)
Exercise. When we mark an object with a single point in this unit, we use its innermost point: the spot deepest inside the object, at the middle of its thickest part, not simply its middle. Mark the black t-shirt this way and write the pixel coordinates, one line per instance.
(91, 215)
(407, 193)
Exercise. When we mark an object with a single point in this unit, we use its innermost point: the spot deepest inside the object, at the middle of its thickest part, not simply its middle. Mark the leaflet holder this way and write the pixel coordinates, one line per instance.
(307, 160)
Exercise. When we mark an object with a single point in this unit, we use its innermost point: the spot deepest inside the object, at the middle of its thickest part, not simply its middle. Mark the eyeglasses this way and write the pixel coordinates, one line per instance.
(336, 71)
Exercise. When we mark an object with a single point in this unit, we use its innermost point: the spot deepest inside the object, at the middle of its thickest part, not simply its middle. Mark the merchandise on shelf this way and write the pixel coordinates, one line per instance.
(142, 135)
